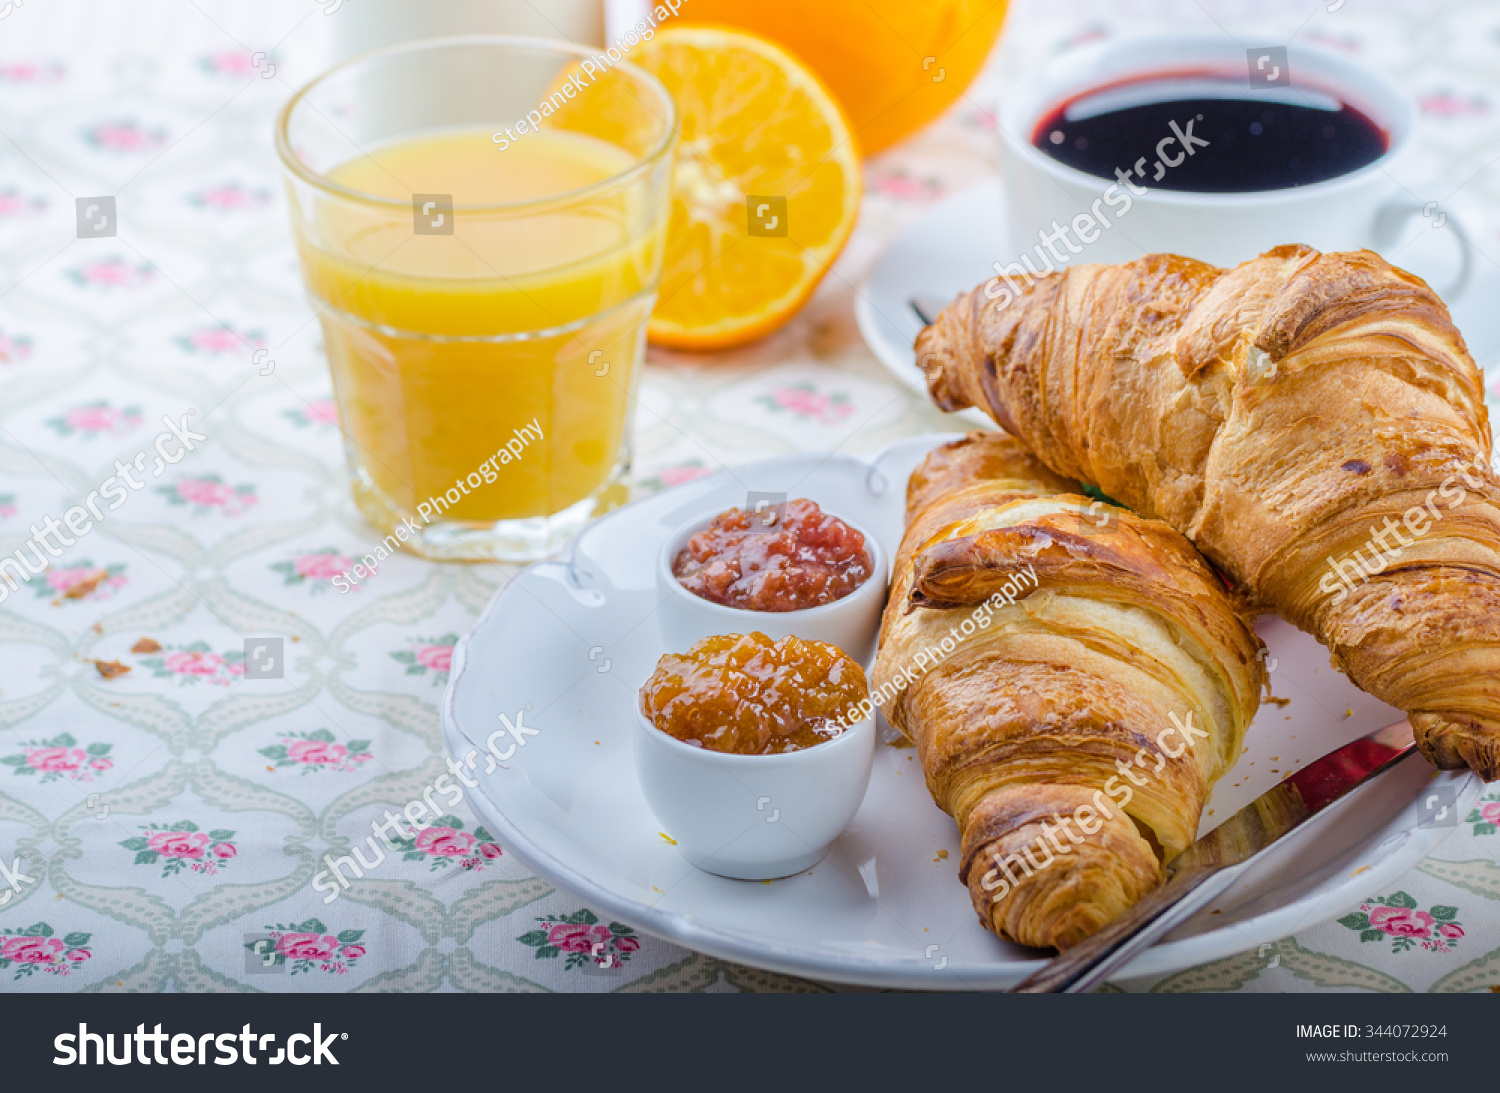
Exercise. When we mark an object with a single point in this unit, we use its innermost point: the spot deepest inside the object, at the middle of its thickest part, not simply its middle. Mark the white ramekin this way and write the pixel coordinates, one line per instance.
(851, 623)
(754, 817)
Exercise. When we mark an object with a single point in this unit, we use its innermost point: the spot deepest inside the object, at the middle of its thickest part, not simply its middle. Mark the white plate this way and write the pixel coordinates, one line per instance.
(953, 246)
(570, 644)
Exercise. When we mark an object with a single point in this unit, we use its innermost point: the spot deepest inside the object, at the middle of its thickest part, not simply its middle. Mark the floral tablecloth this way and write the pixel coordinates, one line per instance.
(161, 827)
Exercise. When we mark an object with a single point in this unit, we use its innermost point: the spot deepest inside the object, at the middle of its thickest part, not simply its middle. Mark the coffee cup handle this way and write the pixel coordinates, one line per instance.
(1396, 212)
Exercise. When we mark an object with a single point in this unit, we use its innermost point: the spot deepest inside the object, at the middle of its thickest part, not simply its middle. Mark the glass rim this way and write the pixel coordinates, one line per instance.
(321, 181)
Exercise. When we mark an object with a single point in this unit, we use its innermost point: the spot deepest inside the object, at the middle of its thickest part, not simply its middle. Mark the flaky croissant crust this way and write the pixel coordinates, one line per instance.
(1279, 414)
(1116, 628)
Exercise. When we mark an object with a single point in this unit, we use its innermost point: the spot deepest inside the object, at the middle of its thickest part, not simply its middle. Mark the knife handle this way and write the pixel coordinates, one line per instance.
(1093, 960)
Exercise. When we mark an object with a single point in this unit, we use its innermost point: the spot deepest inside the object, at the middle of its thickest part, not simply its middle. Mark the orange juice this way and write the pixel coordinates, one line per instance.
(480, 222)
(523, 322)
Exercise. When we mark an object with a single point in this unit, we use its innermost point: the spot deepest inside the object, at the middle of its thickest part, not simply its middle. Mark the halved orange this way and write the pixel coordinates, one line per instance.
(894, 65)
(765, 190)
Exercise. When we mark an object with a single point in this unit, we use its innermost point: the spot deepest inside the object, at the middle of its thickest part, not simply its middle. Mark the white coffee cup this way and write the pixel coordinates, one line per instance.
(1364, 208)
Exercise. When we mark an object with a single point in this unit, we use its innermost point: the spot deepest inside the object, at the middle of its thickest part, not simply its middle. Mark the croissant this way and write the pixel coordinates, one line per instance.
(1312, 422)
(1075, 678)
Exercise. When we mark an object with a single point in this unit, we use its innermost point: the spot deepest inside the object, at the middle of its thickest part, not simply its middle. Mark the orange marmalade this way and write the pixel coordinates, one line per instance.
(749, 695)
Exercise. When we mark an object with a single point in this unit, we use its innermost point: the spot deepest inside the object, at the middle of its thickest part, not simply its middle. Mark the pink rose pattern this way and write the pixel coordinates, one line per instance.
(1093, 32)
(14, 348)
(35, 949)
(37, 72)
(1347, 42)
(901, 184)
(210, 493)
(582, 940)
(60, 759)
(433, 655)
(7, 506)
(979, 118)
(318, 567)
(1448, 104)
(316, 751)
(16, 206)
(310, 946)
(230, 197)
(182, 846)
(96, 418)
(805, 402)
(196, 662)
(445, 842)
(1486, 815)
(220, 339)
(1397, 917)
(125, 135)
(675, 475)
(318, 412)
(235, 63)
(109, 273)
(83, 581)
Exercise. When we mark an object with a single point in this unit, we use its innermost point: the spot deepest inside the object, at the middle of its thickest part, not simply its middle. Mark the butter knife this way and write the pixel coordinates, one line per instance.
(1211, 865)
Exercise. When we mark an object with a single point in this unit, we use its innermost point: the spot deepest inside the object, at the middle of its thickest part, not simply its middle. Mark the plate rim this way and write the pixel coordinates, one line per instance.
(899, 363)
(675, 927)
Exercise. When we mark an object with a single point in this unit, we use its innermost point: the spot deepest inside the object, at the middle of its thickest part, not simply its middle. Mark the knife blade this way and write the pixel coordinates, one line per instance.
(1210, 866)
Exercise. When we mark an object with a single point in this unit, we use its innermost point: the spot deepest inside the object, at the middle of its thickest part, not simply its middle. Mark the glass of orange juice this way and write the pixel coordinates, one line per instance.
(480, 223)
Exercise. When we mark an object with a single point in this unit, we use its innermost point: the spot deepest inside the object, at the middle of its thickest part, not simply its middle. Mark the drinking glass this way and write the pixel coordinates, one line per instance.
(480, 223)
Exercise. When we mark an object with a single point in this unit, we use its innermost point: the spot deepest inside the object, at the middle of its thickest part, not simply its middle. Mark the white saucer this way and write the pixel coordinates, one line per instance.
(945, 251)
(569, 644)
(952, 246)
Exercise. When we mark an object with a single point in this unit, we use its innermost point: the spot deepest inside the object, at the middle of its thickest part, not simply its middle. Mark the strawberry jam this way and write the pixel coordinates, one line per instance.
(774, 561)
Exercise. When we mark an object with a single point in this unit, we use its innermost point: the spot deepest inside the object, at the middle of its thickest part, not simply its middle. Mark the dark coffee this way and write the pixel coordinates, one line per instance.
(1239, 140)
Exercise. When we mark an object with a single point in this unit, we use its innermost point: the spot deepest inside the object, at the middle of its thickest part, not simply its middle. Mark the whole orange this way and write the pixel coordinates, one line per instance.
(894, 65)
